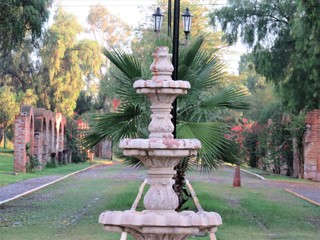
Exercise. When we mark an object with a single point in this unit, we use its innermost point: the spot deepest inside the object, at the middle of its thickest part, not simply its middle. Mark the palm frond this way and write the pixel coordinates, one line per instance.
(134, 162)
(188, 54)
(215, 147)
(202, 68)
(127, 69)
(127, 123)
(125, 90)
(229, 97)
(127, 63)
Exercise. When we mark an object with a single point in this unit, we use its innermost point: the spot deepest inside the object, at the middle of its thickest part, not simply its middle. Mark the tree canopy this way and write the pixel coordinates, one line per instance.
(19, 18)
(284, 37)
(66, 63)
(109, 30)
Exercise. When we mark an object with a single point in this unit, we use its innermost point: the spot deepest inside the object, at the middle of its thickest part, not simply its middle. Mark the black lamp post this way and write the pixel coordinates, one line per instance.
(186, 17)
(157, 17)
(175, 49)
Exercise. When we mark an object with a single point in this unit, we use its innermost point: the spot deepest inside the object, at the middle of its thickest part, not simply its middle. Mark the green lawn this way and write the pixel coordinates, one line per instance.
(7, 171)
(70, 209)
(277, 177)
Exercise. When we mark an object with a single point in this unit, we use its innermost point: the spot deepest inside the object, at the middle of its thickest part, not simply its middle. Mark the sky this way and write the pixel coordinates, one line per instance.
(128, 10)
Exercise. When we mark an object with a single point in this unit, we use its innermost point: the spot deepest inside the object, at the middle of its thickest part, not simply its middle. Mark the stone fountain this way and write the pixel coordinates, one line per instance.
(160, 153)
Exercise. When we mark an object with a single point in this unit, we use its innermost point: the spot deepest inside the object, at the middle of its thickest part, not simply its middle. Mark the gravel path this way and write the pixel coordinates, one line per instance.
(309, 190)
(14, 189)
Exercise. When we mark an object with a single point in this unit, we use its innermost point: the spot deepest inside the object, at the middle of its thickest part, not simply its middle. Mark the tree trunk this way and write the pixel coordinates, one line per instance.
(180, 186)
(2, 130)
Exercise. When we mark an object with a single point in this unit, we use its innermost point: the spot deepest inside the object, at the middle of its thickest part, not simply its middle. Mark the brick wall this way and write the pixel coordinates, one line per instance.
(40, 129)
(312, 146)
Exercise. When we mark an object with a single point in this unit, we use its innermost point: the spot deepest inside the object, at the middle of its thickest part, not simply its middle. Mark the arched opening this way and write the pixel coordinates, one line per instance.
(50, 145)
(31, 136)
(55, 139)
(44, 141)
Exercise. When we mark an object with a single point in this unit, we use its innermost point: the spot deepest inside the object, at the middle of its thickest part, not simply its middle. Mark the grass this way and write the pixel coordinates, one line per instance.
(276, 177)
(7, 175)
(70, 209)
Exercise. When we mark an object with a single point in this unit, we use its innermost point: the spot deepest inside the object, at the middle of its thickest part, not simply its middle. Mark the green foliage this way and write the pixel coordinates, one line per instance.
(51, 163)
(66, 62)
(108, 29)
(84, 103)
(196, 111)
(19, 19)
(269, 146)
(74, 142)
(17, 68)
(8, 109)
(284, 36)
(195, 115)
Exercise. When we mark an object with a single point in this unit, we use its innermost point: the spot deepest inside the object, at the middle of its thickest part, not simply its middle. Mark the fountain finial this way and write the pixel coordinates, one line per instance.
(161, 68)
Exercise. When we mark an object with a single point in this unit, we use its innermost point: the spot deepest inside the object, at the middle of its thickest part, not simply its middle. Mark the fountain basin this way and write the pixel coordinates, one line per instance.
(170, 222)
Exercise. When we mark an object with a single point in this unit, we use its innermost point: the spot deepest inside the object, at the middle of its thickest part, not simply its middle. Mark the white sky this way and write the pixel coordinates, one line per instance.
(128, 10)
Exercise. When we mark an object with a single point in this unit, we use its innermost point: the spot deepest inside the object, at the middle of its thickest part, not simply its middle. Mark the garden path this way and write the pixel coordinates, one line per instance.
(309, 190)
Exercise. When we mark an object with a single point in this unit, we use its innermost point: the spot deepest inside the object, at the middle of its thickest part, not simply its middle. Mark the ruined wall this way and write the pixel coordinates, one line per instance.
(104, 150)
(312, 146)
(43, 130)
(24, 127)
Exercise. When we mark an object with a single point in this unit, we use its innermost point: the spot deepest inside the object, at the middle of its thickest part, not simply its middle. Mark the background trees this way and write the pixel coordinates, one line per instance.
(284, 38)
(66, 63)
(281, 34)
(21, 25)
(108, 29)
(19, 19)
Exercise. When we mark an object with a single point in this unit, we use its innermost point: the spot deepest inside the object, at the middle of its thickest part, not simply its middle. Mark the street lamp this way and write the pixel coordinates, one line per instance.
(175, 49)
(186, 17)
(157, 17)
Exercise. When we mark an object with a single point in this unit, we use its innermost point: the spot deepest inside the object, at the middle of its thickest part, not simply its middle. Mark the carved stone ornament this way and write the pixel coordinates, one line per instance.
(160, 153)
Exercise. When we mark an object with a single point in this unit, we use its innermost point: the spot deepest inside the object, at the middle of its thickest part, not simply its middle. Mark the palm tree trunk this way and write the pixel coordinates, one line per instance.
(180, 186)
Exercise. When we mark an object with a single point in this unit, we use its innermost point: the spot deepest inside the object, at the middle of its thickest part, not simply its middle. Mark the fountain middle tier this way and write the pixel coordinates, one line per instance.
(160, 156)
(169, 147)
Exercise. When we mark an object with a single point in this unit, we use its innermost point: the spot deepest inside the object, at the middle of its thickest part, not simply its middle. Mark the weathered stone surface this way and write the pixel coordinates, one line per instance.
(160, 219)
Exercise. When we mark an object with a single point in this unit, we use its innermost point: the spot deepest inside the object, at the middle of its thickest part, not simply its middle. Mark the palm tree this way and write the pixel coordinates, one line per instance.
(198, 112)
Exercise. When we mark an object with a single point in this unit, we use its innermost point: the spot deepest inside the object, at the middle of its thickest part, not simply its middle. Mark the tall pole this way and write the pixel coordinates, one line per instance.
(175, 57)
(169, 18)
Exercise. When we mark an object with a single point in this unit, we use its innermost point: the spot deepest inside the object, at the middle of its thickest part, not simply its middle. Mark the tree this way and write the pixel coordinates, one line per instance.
(107, 28)
(20, 18)
(284, 36)
(198, 111)
(66, 63)
(262, 93)
(84, 103)
(8, 109)
(17, 69)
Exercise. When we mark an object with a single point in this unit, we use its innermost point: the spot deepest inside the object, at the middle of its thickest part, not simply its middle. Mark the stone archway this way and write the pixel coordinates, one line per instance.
(42, 130)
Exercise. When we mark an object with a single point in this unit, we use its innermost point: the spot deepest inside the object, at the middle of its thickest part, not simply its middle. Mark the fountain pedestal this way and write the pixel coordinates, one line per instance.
(160, 153)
